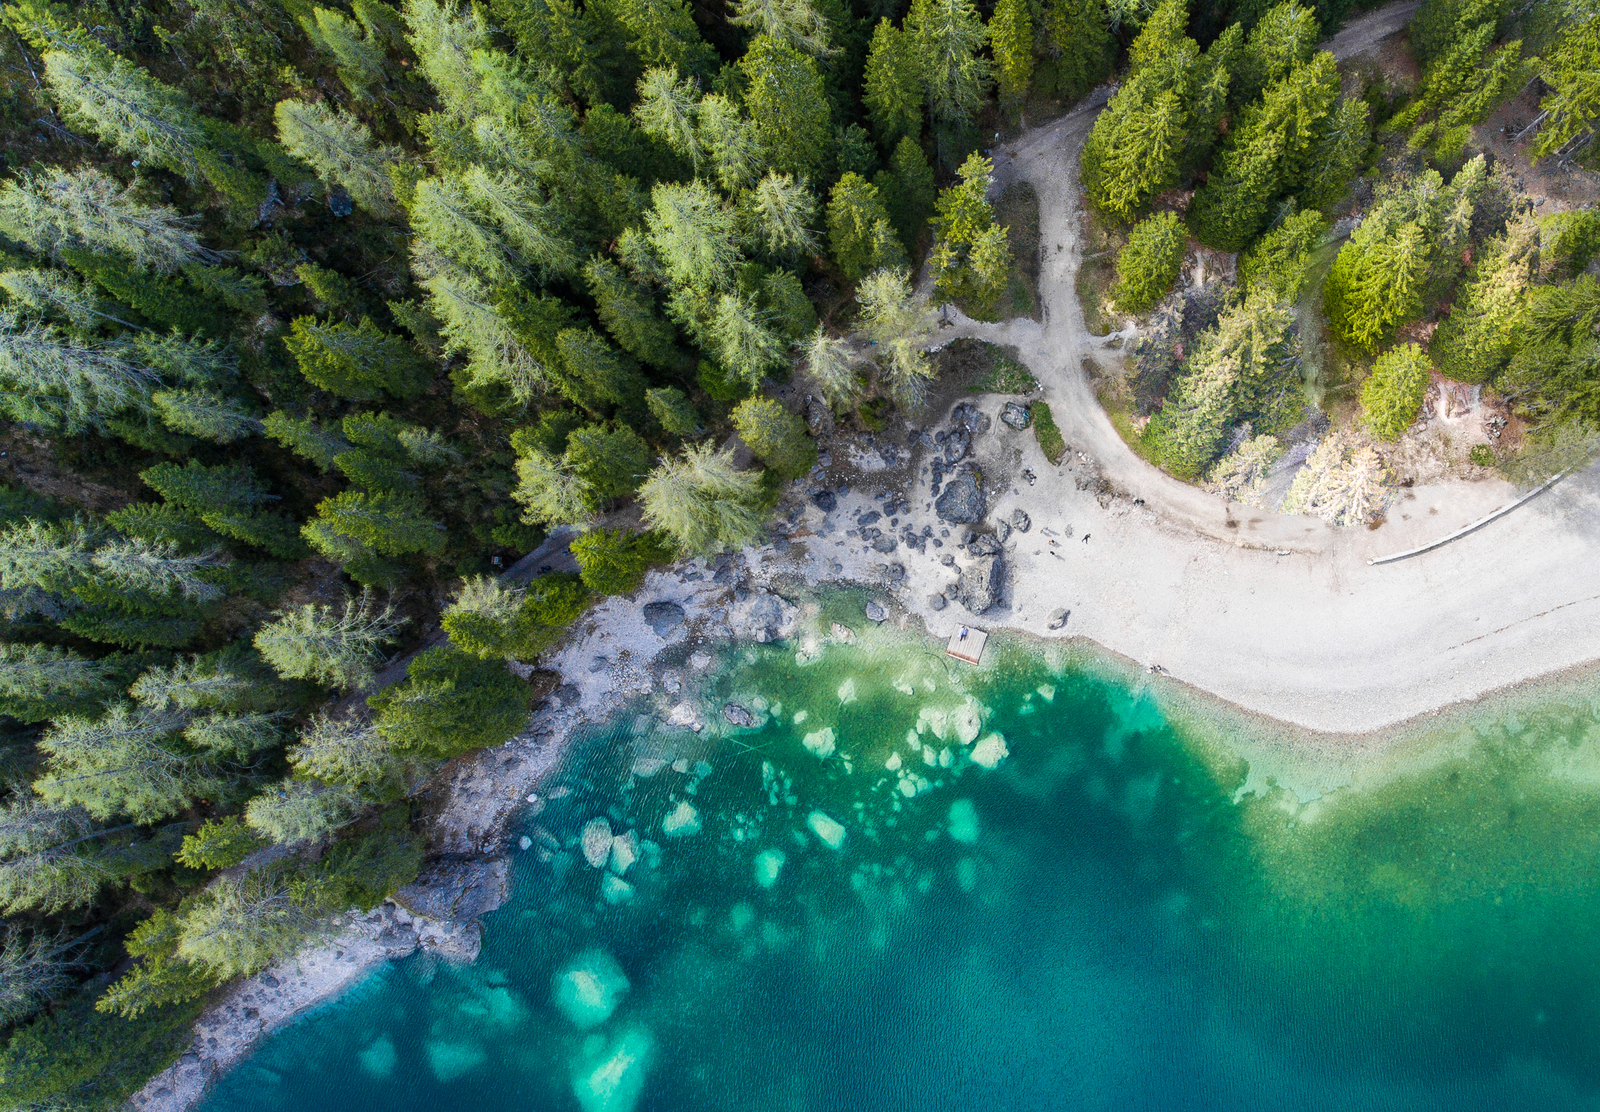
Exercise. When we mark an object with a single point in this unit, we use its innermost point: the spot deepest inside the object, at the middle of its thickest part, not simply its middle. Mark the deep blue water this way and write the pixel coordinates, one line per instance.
(1097, 922)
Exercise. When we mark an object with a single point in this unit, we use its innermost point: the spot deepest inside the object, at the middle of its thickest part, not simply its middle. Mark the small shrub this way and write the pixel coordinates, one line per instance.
(1482, 455)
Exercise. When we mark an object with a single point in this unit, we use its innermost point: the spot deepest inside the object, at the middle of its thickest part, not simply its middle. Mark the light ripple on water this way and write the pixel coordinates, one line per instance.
(1102, 920)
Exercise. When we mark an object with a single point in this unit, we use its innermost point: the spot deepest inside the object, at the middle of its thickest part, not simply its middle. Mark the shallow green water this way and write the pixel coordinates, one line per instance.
(1096, 922)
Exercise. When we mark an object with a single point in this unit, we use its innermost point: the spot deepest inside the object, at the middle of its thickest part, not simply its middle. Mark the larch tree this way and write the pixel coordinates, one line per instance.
(673, 411)
(795, 23)
(780, 211)
(450, 703)
(668, 109)
(702, 502)
(342, 151)
(897, 320)
(628, 311)
(54, 209)
(745, 343)
(336, 646)
(730, 143)
(830, 363)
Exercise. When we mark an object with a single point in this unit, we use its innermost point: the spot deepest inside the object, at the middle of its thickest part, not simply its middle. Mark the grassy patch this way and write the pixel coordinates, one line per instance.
(1098, 270)
(1121, 414)
(1018, 209)
(982, 368)
(1051, 441)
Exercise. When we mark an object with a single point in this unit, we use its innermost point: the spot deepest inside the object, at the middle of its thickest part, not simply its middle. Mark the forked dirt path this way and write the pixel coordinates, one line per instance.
(1280, 614)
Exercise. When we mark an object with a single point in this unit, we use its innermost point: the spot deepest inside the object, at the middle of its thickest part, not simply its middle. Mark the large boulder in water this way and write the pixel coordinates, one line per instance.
(962, 500)
(589, 988)
(980, 584)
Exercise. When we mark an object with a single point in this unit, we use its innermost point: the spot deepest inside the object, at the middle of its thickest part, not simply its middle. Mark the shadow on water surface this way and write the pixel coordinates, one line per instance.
(1101, 920)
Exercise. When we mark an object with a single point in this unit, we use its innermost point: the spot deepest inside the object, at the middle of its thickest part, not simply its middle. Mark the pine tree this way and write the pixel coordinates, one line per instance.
(356, 361)
(342, 151)
(663, 33)
(1149, 262)
(446, 40)
(1267, 153)
(1078, 44)
(1476, 340)
(670, 406)
(701, 502)
(1460, 88)
(451, 703)
(859, 232)
(892, 89)
(629, 313)
(1011, 40)
(908, 191)
(54, 209)
(775, 435)
(240, 924)
(532, 226)
(1133, 151)
(168, 303)
(946, 37)
(971, 260)
(614, 561)
(334, 646)
(788, 106)
(390, 524)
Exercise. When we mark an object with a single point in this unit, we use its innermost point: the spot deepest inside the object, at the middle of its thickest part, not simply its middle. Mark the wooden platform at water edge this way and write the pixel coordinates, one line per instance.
(967, 644)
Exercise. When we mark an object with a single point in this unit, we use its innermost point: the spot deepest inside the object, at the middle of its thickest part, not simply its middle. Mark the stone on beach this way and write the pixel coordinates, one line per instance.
(589, 988)
(596, 841)
(1016, 415)
(663, 617)
(962, 500)
(876, 611)
(829, 832)
(989, 752)
(979, 586)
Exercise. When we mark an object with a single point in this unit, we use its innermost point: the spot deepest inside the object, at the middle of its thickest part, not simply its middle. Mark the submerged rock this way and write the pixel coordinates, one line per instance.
(596, 842)
(614, 890)
(979, 586)
(763, 617)
(683, 822)
(820, 742)
(829, 832)
(738, 715)
(768, 865)
(962, 500)
(588, 988)
(611, 1078)
(989, 752)
(964, 822)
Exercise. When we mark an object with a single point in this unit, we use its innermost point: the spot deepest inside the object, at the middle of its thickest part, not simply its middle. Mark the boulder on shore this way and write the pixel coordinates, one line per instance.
(979, 587)
(962, 500)
(763, 616)
(1016, 415)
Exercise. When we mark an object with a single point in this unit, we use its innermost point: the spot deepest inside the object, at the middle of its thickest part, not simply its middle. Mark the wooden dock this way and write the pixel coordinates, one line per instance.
(967, 644)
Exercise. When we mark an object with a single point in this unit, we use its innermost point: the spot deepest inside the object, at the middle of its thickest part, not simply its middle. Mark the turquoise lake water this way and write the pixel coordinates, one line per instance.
(1104, 919)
